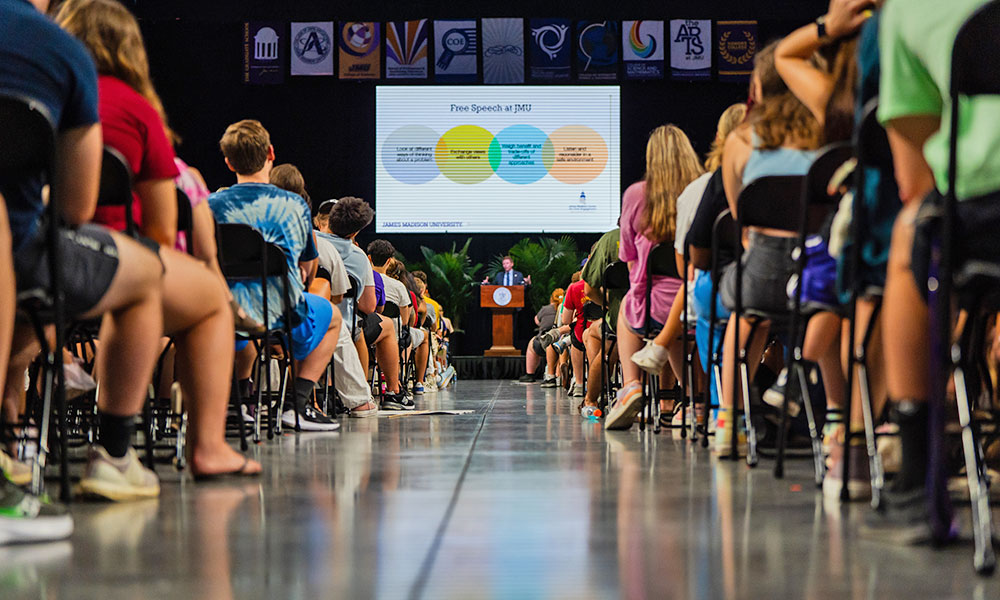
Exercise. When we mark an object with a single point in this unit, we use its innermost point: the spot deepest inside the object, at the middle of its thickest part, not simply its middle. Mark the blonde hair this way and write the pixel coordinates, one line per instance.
(731, 118)
(671, 164)
(112, 35)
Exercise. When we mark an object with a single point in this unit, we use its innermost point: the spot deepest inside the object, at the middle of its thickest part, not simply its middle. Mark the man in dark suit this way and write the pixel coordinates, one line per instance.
(509, 276)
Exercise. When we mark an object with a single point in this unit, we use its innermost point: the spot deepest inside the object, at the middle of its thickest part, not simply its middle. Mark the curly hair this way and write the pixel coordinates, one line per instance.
(349, 216)
(381, 251)
(779, 116)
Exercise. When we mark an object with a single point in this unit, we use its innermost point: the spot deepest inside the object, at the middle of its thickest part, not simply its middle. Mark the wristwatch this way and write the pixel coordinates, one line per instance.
(821, 27)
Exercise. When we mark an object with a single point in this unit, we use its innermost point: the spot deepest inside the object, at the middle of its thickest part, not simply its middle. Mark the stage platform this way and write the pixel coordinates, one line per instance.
(519, 499)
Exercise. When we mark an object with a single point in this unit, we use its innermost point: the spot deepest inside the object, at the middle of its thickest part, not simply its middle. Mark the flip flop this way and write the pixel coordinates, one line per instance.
(226, 474)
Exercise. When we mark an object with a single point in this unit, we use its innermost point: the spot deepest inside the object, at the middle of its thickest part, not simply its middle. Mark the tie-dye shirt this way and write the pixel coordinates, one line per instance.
(283, 218)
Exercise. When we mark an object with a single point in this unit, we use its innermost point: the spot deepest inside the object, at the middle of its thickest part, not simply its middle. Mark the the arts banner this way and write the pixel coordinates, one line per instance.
(642, 49)
(406, 49)
(691, 49)
(736, 44)
(312, 48)
(597, 50)
(360, 45)
(503, 51)
(456, 46)
(550, 49)
(263, 53)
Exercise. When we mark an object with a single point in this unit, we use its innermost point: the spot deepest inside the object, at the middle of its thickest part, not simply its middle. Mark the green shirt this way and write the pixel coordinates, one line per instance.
(916, 39)
(605, 252)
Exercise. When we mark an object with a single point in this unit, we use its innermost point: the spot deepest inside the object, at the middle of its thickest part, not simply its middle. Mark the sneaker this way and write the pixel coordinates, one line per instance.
(248, 412)
(548, 338)
(901, 518)
(723, 443)
(550, 382)
(447, 376)
(311, 418)
(17, 472)
(527, 379)
(25, 518)
(360, 412)
(859, 485)
(775, 395)
(651, 358)
(628, 403)
(397, 402)
(561, 344)
(577, 391)
(571, 391)
(117, 479)
(418, 389)
(831, 429)
(430, 388)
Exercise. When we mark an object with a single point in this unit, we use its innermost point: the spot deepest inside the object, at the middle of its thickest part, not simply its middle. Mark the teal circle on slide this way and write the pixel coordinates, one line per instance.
(518, 153)
(408, 154)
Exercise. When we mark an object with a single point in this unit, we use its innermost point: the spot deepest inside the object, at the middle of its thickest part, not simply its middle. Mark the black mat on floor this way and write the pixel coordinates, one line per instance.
(488, 367)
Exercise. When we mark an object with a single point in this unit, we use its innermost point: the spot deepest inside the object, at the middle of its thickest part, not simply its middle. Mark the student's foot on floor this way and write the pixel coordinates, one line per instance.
(222, 459)
(368, 409)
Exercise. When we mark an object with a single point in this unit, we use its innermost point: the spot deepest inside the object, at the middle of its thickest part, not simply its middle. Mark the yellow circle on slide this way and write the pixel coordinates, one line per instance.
(581, 154)
(463, 154)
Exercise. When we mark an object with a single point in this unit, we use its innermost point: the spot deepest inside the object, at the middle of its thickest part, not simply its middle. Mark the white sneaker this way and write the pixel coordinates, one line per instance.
(447, 376)
(118, 479)
(651, 358)
(310, 419)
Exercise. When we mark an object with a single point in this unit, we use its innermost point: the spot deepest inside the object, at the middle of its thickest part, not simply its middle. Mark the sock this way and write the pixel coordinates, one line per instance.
(303, 392)
(116, 433)
(911, 417)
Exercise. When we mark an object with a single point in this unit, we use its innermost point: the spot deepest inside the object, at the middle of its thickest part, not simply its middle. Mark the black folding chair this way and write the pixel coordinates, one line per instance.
(770, 202)
(28, 145)
(185, 220)
(116, 186)
(661, 263)
(815, 205)
(614, 277)
(244, 255)
(724, 231)
(974, 72)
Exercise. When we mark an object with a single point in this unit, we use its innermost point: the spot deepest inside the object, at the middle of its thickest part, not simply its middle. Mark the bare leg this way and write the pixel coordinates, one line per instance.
(876, 363)
(628, 344)
(754, 352)
(905, 318)
(8, 291)
(362, 347)
(313, 366)
(576, 355)
(822, 345)
(420, 359)
(551, 361)
(387, 355)
(530, 359)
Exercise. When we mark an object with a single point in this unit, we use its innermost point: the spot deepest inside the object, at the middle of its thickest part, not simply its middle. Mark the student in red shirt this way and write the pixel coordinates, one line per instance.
(195, 303)
(573, 314)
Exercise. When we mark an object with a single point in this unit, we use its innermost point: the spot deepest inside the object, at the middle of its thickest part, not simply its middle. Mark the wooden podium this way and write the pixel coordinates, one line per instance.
(503, 300)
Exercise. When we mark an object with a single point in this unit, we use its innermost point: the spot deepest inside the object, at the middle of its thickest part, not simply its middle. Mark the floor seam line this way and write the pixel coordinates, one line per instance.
(428, 563)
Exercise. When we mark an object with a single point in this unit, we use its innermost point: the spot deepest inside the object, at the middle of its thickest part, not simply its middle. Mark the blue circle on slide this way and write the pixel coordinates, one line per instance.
(408, 154)
(521, 150)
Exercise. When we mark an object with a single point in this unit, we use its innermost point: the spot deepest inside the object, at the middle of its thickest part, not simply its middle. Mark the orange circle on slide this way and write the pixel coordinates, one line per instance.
(580, 154)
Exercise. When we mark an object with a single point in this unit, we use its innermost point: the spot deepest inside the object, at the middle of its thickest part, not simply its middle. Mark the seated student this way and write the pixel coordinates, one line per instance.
(419, 340)
(347, 218)
(914, 105)
(104, 273)
(648, 218)
(283, 219)
(545, 321)
(573, 315)
(779, 139)
(196, 310)
(604, 253)
(380, 254)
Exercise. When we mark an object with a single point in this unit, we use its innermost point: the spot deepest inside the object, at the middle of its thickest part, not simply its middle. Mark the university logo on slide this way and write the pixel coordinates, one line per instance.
(642, 49)
(406, 49)
(550, 54)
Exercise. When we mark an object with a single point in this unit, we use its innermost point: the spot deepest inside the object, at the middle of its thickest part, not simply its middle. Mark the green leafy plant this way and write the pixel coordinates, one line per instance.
(550, 262)
(452, 279)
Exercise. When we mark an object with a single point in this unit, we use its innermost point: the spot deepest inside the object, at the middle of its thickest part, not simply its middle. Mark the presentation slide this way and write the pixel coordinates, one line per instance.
(497, 159)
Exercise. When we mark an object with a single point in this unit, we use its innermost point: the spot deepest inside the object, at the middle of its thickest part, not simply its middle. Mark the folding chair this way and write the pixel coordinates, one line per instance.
(28, 145)
(614, 277)
(815, 204)
(116, 186)
(974, 72)
(724, 230)
(244, 255)
(185, 220)
(350, 296)
(661, 263)
(771, 202)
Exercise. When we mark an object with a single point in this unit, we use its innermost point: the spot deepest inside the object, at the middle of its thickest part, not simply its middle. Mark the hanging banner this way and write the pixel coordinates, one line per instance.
(263, 53)
(550, 49)
(406, 49)
(360, 50)
(690, 55)
(642, 49)
(503, 51)
(736, 43)
(456, 47)
(597, 50)
(312, 48)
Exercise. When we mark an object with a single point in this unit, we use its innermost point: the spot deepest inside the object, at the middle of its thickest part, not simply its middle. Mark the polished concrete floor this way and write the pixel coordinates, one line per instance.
(520, 499)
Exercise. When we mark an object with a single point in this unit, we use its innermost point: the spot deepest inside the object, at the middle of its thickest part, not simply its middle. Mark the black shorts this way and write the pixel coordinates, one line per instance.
(975, 234)
(767, 267)
(89, 261)
(577, 342)
(371, 327)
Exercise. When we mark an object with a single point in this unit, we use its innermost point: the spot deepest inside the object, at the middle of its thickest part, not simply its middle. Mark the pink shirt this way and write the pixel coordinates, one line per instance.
(635, 248)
